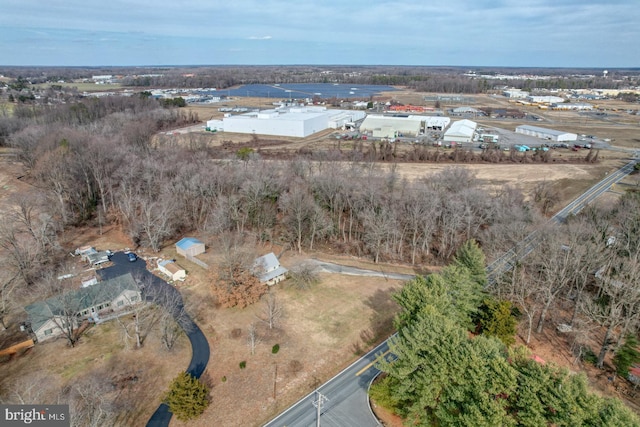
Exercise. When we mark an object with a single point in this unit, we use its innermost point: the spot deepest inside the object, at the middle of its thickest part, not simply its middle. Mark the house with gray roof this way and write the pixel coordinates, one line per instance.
(268, 269)
(49, 317)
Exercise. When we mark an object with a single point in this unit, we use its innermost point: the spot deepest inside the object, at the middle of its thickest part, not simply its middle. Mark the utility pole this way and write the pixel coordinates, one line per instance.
(318, 404)
(275, 379)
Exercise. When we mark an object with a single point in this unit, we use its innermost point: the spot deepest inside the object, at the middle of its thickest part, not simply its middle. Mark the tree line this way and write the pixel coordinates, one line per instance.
(427, 79)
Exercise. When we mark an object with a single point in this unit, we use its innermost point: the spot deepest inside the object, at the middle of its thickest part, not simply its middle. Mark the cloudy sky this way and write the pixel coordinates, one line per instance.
(536, 33)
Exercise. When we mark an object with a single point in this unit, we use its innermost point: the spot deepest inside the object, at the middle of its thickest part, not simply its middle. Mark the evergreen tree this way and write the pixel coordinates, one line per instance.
(465, 292)
(418, 294)
(496, 319)
(187, 397)
(626, 356)
(471, 257)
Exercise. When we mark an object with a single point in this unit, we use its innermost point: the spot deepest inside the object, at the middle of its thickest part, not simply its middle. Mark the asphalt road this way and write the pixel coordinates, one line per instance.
(328, 267)
(160, 292)
(347, 402)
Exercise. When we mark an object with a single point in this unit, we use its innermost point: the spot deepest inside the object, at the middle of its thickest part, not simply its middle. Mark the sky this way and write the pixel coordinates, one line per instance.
(522, 33)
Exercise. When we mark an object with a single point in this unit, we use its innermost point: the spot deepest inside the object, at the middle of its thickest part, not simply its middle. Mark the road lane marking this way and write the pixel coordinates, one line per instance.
(369, 365)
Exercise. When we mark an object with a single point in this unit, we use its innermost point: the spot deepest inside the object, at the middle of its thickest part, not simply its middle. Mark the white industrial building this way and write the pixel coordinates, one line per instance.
(544, 133)
(515, 93)
(460, 132)
(466, 110)
(392, 126)
(436, 122)
(300, 121)
(544, 99)
(581, 106)
(215, 125)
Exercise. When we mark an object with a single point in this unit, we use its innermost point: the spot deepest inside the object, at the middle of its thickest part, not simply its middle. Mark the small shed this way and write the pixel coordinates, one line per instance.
(170, 268)
(190, 246)
(269, 270)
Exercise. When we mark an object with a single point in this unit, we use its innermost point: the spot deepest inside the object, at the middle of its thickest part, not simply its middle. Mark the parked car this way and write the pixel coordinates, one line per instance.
(132, 257)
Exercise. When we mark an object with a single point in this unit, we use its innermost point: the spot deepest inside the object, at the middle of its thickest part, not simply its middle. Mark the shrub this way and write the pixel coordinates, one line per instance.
(626, 356)
(275, 349)
(187, 397)
(243, 364)
(589, 357)
(224, 379)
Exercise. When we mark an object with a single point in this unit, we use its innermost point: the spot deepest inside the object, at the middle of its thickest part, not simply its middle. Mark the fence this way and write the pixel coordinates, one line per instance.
(197, 261)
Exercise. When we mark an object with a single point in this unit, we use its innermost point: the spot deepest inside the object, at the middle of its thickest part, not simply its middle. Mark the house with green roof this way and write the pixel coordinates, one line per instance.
(50, 318)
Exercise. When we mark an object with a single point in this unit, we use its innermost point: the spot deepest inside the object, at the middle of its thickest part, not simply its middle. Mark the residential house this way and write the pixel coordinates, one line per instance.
(269, 270)
(49, 317)
(170, 268)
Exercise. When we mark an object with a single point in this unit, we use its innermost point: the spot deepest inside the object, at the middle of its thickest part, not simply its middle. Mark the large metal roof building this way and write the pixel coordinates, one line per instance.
(298, 121)
(393, 126)
(544, 133)
(460, 131)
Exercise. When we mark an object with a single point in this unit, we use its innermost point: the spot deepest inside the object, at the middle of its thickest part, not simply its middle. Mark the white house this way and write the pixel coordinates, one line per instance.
(269, 270)
(170, 268)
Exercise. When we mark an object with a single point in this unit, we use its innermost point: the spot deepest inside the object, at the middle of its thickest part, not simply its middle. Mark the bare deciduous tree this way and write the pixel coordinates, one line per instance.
(252, 338)
(272, 310)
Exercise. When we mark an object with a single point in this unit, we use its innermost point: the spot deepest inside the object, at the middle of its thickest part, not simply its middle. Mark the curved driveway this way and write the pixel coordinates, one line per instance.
(156, 290)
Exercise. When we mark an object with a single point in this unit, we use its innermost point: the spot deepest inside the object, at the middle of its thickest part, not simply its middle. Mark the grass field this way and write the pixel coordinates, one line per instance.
(83, 86)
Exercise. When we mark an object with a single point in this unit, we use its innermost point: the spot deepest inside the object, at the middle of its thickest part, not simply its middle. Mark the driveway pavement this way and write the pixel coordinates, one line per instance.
(156, 290)
(329, 267)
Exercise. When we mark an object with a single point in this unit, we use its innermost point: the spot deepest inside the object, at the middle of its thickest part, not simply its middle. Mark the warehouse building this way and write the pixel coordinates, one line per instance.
(548, 134)
(515, 93)
(460, 132)
(579, 106)
(393, 126)
(298, 121)
(436, 122)
(544, 99)
(390, 127)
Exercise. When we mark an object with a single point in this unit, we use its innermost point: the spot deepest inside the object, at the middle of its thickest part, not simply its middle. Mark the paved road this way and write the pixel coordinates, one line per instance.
(329, 267)
(348, 404)
(160, 292)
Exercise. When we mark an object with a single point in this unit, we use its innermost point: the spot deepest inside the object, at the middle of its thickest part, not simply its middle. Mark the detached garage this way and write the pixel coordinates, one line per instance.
(172, 269)
(190, 247)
